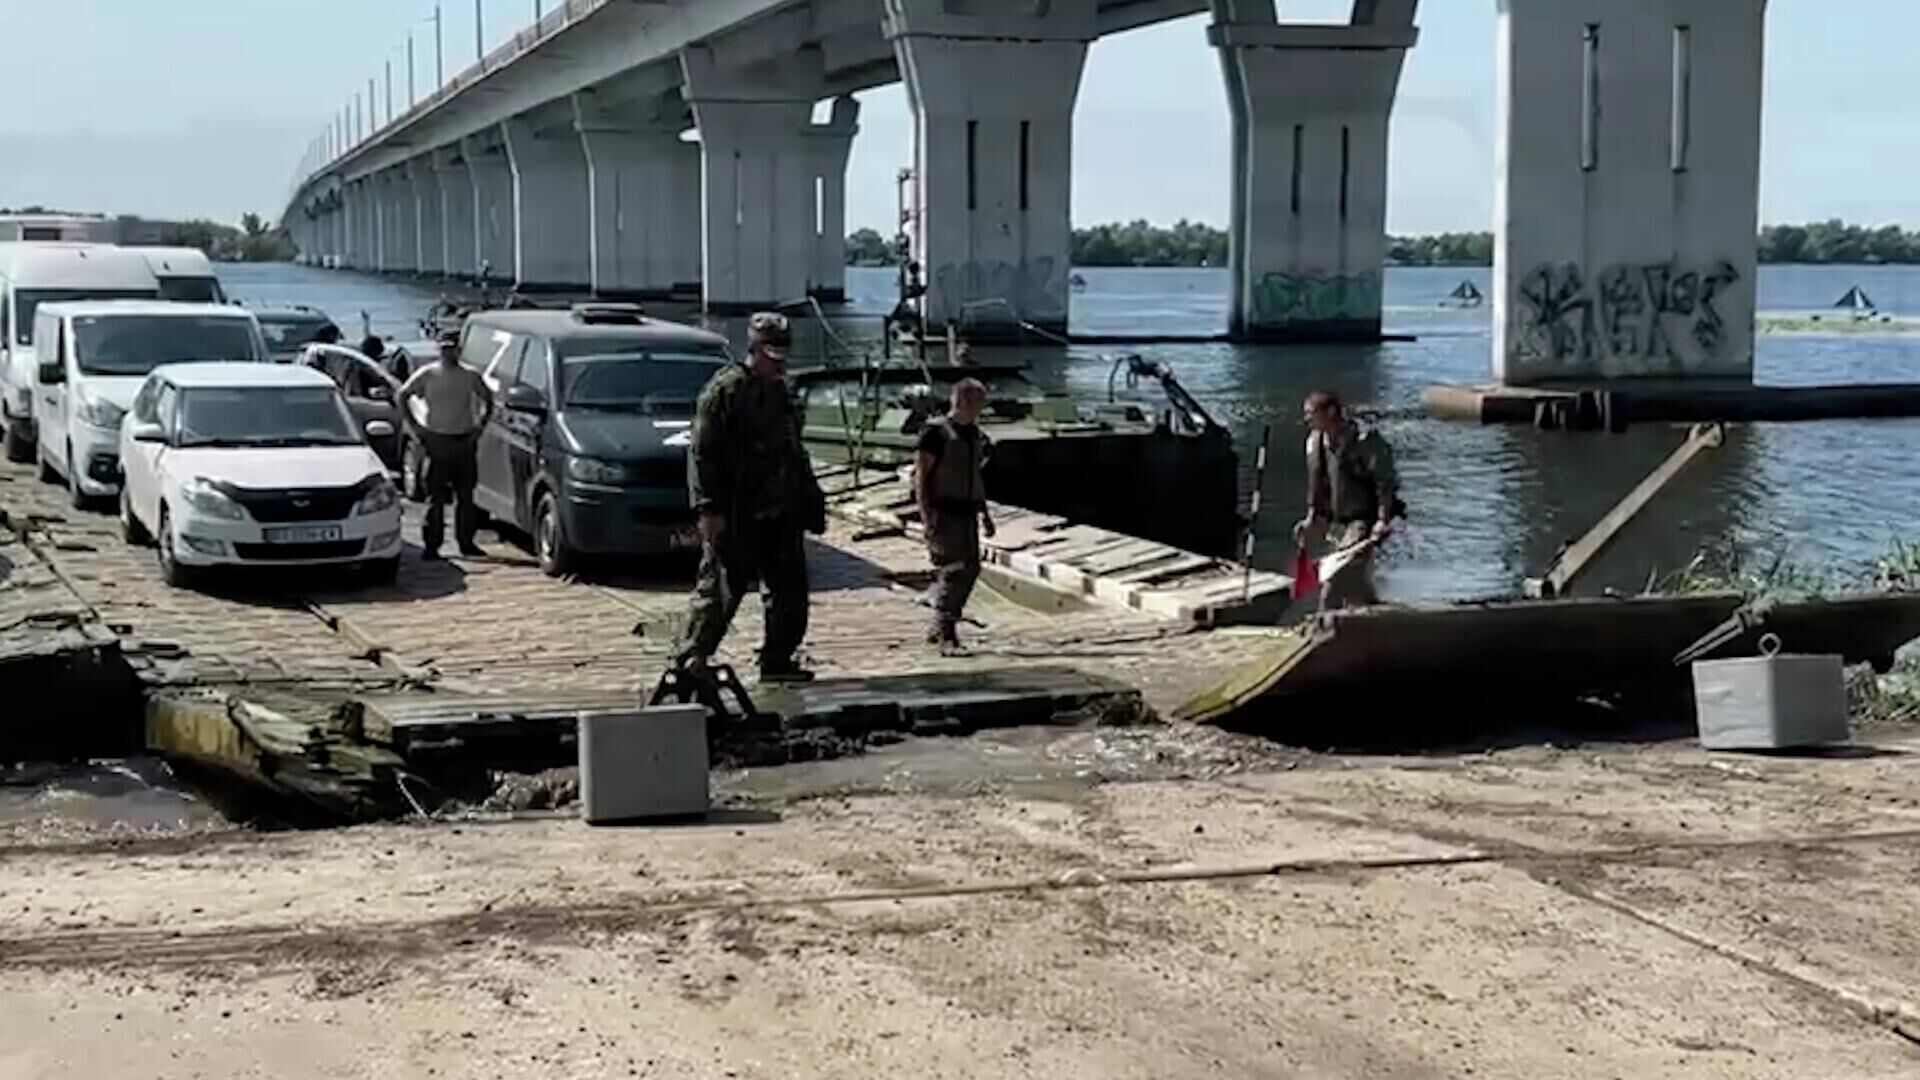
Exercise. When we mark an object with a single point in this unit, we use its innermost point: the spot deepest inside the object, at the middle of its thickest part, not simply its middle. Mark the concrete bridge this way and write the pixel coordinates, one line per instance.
(647, 147)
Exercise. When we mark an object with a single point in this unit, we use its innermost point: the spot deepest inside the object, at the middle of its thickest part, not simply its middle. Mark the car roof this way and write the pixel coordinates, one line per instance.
(235, 374)
(145, 308)
(177, 261)
(290, 313)
(567, 328)
(74, 265)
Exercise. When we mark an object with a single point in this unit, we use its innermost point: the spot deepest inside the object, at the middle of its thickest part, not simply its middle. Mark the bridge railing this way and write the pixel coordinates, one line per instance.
(563, 15)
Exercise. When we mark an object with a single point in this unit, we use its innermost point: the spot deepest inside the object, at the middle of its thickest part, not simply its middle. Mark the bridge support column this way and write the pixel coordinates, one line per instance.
(429, 249)
(1628, 195)
(759, 205)
(993, 99)
(458, 230)
(1310, 105)
(361, 223)
(552, 225)
(644, 200)
(402, 238)
(492, 176)
(832, 145)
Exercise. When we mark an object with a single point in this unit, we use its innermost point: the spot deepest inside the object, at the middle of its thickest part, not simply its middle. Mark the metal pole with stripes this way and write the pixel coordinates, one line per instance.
(1253, 514)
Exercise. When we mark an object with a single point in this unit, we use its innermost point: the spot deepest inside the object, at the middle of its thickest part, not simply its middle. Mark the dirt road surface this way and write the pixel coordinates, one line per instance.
(1609, 912)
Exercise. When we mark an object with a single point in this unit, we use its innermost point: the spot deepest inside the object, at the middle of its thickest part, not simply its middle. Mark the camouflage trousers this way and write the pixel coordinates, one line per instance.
(769, 553)
(953, 545)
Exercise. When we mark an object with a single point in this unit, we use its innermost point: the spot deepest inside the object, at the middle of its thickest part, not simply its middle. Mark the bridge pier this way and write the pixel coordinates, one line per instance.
(759, 206)
(429, 250)
(400, 249)
(1310, 105)
(831, 145)
(493, 219)
(552, 222)
(1629, 190)
(360, 225)
(993, 99)
(459, 236)
(643, 200)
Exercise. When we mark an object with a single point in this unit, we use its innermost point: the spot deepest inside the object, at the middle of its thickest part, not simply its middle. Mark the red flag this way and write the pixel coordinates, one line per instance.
(1306, 574)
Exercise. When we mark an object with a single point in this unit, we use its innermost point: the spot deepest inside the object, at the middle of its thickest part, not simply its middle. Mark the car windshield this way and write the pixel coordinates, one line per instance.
(287, 333)
(191, 290)
(136, 344)
(654, 382)
(27, 301)
(265, 416)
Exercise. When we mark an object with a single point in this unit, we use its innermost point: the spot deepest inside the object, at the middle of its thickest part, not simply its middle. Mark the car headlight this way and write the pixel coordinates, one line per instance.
(206, 499)
(591, 471)
(384, 496)
(100, 412)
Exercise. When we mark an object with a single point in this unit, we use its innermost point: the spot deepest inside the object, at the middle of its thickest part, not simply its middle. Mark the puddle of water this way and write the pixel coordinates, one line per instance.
(136, 795)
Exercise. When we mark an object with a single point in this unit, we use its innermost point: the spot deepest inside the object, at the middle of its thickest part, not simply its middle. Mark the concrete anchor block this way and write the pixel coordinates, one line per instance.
(643, 764)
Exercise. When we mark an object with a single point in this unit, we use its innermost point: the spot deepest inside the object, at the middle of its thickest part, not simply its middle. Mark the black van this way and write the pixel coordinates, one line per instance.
(587, 449)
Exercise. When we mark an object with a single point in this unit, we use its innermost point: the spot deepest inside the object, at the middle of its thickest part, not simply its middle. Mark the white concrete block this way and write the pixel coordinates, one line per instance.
(1770, 702)
(645, 763)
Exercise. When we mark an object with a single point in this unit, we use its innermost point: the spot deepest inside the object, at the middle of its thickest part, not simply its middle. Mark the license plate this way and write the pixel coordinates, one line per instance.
(684, 539)
(307, 534)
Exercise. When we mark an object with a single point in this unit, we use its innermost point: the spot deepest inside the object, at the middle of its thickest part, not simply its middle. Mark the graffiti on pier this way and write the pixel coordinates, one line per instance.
(1659, 314)
(1035, 290)
(1289, 298)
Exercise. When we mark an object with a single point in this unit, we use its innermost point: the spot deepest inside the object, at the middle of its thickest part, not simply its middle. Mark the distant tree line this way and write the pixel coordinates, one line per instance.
(1188, 243)
(253, 240)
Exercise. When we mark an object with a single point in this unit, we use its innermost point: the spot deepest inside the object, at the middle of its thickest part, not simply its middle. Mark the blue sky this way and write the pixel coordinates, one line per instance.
(203, 107)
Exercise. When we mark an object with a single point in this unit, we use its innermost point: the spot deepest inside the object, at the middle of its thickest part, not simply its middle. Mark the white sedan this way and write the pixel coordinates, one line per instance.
(253, 465)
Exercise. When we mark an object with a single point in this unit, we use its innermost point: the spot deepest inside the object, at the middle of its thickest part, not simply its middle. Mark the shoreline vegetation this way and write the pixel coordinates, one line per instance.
(1130, 244)
(1196, 244)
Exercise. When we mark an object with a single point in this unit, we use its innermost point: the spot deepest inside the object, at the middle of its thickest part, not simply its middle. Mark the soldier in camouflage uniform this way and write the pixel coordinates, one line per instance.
(754, 489)
(1353, 496)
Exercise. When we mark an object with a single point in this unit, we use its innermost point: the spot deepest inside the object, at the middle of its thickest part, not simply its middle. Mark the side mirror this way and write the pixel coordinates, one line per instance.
(52, 374)
(526, 399)
(143, 432)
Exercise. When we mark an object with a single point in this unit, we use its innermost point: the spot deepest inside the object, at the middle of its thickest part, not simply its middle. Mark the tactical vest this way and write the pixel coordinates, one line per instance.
(959, 476)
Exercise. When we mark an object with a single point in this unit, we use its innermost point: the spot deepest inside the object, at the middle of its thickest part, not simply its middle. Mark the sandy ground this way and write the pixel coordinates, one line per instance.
(1607, 912)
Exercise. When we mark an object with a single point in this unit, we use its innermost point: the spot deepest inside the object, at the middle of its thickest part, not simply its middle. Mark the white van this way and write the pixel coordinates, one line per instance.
(34, 274)
(185, 275)
(93, 357)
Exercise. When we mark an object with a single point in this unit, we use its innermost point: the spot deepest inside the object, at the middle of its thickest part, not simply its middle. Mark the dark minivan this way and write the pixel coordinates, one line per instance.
(587, 449)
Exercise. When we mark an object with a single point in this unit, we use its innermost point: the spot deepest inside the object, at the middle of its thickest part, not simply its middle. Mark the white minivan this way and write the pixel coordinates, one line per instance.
(94, 356)
(32, 274)
(254, 464)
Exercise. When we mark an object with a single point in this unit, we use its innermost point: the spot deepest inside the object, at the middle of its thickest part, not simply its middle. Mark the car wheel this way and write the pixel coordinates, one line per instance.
(550, 540)
(76, 497)
(171, 571)
(413, 471)
(384, 571)
(19, 448)
(130, 528)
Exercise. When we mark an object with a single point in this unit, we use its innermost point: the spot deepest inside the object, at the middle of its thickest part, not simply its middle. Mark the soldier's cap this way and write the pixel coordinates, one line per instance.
(769, 328)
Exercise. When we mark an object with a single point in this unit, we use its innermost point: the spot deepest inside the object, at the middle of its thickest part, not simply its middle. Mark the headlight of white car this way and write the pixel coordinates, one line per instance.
(384, 496)
(590, 471)
(99, 412)
(211, 501)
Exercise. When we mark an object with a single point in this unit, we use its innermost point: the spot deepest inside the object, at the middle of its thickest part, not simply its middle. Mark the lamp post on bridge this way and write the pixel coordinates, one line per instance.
(439, 47)
(479, 31)
(389, 89)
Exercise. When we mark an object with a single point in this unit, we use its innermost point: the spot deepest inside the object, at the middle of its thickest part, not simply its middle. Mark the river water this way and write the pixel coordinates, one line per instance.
(1488, 506)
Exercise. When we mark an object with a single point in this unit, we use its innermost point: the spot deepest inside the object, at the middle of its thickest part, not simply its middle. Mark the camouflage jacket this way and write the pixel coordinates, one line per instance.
(746, 460)
(1351, 476)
